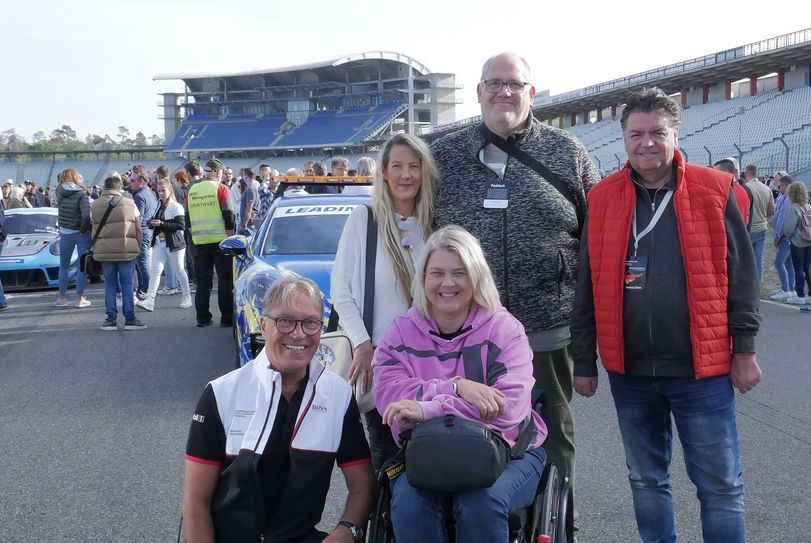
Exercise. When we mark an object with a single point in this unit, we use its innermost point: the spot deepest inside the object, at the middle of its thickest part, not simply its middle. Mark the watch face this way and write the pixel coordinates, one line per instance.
(354, 529)
(357, 533)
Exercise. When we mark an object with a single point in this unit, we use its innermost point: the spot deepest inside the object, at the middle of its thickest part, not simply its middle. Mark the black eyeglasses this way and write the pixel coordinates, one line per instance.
(286, 325)
(495, 85)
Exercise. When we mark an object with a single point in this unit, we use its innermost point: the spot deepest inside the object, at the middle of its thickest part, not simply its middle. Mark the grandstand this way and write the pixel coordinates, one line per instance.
(752, 102)
(343, 102)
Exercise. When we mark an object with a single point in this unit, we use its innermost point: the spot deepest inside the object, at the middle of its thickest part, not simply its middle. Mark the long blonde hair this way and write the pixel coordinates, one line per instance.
(383, 207)
(166, 183)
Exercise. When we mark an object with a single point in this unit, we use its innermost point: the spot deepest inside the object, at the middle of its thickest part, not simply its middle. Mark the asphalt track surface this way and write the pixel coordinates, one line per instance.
(93, 426)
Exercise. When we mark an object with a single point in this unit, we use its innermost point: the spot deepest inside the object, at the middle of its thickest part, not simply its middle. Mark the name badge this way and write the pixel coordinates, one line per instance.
(636, 269)
(497, 196)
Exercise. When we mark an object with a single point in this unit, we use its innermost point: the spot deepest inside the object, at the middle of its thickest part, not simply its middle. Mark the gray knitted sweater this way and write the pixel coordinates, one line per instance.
(532, 245)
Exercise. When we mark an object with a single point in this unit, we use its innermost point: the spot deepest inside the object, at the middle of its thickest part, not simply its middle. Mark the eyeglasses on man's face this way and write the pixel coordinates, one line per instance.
(286, 325)
(495, 85)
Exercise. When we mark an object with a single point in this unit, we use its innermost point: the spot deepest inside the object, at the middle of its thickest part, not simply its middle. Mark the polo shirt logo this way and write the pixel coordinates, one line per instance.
(319, 408)
(198, 418)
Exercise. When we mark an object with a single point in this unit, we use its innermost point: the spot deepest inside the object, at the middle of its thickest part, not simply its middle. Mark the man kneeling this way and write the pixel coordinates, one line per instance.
(264, 438)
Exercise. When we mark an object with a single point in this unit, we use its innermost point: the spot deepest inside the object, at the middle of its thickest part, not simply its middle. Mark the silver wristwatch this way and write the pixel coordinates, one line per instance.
(357, 531)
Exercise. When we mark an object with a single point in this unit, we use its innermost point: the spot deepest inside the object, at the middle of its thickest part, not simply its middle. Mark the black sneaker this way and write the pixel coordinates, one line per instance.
(133, 324)
(203, 324)
(226, 324)
(109, 325)
(140, 295)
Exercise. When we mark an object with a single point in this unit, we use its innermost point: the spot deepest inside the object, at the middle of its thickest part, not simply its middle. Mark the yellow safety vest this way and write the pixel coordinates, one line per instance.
(205, 214)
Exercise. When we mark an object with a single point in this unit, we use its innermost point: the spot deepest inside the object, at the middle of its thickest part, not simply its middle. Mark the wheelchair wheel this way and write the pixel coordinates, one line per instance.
(381, 529)
(546, 511)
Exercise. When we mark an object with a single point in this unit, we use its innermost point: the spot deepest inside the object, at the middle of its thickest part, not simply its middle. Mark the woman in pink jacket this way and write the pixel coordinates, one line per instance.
(458, 351)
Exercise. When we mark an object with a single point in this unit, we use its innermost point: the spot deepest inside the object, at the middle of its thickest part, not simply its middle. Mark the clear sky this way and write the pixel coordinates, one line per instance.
(90, 63)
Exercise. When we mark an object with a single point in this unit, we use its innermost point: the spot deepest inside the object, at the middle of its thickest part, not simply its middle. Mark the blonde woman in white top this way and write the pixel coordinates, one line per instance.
(402, 205)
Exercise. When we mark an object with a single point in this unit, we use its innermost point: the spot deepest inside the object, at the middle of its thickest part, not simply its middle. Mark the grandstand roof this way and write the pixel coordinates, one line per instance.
(270, 70)
(758, 58)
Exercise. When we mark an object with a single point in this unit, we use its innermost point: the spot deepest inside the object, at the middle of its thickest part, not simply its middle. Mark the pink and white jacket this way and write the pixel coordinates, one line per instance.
(412, 362)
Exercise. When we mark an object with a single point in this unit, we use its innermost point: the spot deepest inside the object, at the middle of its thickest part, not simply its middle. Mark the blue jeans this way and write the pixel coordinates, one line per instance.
(784, 266)
(704, 412)
(171, 277)
(801, 258)
(142, 260)
(480, 515)
(757, 246)
(115, 274)
(67, 242)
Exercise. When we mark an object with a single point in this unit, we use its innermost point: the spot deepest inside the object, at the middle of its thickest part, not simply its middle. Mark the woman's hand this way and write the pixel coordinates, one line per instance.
(154, 222)
(404, 412)
(488, 400)
(361, 368)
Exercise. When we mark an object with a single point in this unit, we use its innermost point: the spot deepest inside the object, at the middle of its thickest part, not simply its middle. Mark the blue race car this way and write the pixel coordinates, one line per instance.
(30, 255)
(299, 236)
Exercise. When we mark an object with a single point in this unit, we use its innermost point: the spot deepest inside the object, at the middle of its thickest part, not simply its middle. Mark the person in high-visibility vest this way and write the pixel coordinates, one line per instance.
(212, 220)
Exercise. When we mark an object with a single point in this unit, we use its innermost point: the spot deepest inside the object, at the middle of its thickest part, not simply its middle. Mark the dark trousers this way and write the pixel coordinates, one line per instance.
(190, 252)
(801, 258)
(381, 441)
(208, 257)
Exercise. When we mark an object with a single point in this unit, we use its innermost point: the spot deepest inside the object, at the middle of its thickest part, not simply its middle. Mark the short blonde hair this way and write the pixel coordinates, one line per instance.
(69, 175)
(797, 193)
(367, 166)
(458, 240)
(282, 290)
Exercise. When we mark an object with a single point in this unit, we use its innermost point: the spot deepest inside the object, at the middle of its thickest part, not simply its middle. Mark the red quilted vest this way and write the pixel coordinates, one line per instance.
(699, 203)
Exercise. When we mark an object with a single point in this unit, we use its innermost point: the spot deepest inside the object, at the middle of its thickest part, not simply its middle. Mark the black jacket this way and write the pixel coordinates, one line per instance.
(171, 228)
(74, 207)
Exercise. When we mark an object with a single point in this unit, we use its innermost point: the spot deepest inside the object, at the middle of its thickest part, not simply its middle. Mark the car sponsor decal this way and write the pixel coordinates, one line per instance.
(12, 260)
(316, 210)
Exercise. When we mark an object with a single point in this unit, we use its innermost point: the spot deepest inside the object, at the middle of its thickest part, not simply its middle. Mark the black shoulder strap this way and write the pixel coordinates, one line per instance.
(110, 206)
(369, 286)
(554, 179)
(371, 257)
(751, 204)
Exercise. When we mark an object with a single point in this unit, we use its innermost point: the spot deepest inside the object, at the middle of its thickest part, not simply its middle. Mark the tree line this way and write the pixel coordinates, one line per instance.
(65, 140)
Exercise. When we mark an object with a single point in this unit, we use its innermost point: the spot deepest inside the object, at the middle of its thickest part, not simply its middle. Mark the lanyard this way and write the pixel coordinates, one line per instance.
(653, 221)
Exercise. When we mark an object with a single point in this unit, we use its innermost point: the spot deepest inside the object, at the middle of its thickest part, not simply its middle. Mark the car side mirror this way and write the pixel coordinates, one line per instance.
(236, 246)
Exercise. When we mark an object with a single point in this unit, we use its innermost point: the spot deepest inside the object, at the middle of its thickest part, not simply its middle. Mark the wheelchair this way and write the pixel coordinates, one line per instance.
(543, 521)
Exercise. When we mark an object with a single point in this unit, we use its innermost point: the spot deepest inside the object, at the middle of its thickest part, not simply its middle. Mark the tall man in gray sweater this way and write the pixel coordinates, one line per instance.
(528, 223)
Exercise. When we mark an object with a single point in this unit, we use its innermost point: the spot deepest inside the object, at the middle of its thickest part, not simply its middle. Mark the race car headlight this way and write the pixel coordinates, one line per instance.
(256, 290)
(53, 248)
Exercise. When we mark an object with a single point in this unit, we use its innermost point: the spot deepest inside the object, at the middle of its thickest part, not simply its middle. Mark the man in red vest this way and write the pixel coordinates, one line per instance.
(667, 291)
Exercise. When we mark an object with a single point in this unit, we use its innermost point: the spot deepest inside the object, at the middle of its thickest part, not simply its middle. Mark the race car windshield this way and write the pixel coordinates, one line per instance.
(304, 234)
(31, 224)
